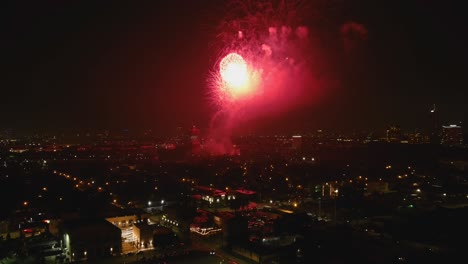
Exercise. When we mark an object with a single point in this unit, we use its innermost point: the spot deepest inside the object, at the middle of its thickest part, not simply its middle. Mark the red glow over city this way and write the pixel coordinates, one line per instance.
(266, 68)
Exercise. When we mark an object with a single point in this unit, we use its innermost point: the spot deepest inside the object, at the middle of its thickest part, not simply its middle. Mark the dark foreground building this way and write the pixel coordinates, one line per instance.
(91, 238)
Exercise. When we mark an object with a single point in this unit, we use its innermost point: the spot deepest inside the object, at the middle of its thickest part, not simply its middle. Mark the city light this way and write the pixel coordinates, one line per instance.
(220, 107)
(205, 231)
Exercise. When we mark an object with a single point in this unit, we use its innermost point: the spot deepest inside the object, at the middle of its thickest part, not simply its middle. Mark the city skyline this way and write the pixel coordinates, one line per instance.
(233, 131)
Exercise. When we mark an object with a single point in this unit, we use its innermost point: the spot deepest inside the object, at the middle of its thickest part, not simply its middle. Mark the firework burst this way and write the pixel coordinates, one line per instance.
(263, 65)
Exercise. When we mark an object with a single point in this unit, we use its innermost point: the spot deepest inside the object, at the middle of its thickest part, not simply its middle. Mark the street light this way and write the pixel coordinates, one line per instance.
(149, 203)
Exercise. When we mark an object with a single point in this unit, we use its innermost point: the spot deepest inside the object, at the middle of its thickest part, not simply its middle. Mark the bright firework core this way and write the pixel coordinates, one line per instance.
(233, 70)
(235, 76)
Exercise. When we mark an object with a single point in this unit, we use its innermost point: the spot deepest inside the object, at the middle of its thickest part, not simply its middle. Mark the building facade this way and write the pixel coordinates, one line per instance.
(452, 135)
(90, 238)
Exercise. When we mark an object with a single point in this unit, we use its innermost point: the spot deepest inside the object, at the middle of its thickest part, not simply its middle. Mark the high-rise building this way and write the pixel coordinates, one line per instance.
(452, 135)
(296, 142)
(195, 140)
(435, 127)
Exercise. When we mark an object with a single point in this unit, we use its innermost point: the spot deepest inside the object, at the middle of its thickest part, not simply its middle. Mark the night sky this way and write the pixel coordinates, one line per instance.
(143, 64)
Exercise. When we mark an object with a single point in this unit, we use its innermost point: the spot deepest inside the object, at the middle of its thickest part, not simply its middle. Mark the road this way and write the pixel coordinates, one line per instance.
(199, 253)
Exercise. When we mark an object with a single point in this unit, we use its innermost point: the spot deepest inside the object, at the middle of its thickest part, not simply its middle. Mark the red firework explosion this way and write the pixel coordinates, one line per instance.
(236, 80)
(264, 61)
(233, 70)
(264, 65)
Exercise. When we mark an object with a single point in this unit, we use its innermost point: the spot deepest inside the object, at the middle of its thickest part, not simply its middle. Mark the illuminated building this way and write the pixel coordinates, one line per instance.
(417, 138)
(122, 221)
(327, 190)
(143, 234)
(452, 135)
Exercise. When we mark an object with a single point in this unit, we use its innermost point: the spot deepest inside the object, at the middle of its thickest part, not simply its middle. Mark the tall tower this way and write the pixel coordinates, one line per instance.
(195, 140)
(435, 127)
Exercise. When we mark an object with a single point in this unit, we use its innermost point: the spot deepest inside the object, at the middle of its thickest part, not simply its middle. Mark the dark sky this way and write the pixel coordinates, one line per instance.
(143, 64)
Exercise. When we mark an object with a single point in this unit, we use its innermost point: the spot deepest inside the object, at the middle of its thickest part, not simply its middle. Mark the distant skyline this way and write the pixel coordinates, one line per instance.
(111, 65)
